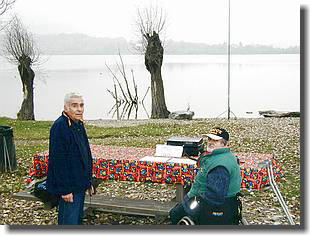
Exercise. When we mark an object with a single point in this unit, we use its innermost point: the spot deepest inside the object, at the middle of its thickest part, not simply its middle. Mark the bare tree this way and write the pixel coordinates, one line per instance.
(5, 5)
(20, 49)
(150, 23)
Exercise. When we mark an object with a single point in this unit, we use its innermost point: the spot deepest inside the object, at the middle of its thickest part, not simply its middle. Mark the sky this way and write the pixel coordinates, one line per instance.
(271, 22)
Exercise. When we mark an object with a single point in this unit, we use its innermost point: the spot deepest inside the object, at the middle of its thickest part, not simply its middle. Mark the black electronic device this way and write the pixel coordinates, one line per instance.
(191, 146)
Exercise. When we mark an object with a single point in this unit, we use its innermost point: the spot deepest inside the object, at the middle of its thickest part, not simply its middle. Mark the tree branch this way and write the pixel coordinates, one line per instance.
(5, 5)
(149, 20)
(19, 45)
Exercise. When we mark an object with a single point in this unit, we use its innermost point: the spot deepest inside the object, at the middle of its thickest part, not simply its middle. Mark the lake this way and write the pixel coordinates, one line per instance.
(258, 82)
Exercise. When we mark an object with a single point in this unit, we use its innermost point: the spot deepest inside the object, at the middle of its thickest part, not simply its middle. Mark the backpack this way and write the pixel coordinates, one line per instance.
(50, 201)
(40, 191)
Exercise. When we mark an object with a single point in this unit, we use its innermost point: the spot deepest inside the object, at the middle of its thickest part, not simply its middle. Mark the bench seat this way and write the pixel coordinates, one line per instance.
(117, 205)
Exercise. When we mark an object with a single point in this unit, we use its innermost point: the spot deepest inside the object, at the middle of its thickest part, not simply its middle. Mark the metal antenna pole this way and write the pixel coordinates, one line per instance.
(229, 62)
(229, 53)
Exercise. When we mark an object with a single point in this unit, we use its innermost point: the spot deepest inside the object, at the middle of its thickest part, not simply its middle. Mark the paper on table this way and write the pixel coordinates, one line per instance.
(163, 150)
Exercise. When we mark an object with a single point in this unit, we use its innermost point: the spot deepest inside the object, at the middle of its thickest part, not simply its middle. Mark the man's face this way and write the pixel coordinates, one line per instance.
(75, 108)
(213, 144)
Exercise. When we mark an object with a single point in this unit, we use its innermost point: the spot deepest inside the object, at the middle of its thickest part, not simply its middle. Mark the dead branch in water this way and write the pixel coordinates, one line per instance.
(129, 100)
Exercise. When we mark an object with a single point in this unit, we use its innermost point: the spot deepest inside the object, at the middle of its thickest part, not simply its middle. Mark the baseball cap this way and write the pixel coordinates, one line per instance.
(218, 133)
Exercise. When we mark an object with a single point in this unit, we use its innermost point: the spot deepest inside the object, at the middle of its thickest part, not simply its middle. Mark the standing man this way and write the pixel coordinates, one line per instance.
(70, 161)
(213, 198)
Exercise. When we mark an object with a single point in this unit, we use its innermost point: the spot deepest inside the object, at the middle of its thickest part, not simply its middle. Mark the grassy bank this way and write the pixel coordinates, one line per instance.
(281, 137)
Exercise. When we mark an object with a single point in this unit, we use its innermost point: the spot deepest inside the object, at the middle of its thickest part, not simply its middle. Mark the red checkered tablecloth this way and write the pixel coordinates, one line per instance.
(127, 164)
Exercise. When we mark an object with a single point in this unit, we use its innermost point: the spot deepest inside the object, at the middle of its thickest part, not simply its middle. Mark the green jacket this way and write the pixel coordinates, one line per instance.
(219, 157)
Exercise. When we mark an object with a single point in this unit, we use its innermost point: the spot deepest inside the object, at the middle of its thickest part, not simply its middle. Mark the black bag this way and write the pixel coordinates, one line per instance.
(40, 191)
(230, 213)
(50, 201)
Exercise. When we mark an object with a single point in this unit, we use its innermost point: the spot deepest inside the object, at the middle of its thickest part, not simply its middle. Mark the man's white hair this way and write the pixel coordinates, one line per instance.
(71, 95)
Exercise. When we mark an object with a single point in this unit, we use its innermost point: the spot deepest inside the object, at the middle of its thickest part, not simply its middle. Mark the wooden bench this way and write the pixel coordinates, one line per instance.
(118, 205)
(159, 210)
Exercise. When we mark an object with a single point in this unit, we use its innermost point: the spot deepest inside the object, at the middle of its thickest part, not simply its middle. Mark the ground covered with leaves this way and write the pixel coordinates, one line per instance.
(280, 136)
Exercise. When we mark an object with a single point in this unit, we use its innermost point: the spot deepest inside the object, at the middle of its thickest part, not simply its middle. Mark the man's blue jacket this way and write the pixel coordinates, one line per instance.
(70, 159)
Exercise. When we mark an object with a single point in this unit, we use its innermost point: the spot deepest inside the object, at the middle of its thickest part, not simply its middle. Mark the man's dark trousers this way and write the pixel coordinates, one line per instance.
(71, 213)
(177, 213)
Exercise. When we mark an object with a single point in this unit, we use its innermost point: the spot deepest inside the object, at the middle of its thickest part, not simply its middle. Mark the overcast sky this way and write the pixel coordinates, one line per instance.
(274, 22)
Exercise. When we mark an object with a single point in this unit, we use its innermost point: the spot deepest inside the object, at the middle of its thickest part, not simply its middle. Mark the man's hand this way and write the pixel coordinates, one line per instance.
(68, 197)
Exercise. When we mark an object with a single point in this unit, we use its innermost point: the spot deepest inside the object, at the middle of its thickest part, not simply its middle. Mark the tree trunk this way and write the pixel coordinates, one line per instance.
(153, 62)
(159, 108)
(27, 77)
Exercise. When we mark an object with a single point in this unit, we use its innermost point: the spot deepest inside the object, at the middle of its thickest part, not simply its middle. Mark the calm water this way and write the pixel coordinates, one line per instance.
(258, 82)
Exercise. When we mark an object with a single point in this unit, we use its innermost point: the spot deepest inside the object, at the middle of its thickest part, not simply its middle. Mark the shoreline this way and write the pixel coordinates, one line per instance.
(106, 123)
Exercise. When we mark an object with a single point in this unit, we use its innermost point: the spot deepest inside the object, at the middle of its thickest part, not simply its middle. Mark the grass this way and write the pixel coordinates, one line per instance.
(39, 130)
(280, 137)
(28, 130)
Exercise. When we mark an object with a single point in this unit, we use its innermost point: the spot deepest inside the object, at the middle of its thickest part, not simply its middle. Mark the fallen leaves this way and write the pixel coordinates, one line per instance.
(280, 137)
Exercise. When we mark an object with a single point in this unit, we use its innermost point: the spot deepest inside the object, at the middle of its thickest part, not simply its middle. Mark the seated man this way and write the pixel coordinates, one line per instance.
(213, 199)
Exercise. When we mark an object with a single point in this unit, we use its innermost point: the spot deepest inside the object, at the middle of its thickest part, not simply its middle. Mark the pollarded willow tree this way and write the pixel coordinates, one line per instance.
(20, 49)
(150, 24)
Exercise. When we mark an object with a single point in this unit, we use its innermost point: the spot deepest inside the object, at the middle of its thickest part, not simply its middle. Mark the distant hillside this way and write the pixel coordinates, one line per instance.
(80, 44)
(177, 48)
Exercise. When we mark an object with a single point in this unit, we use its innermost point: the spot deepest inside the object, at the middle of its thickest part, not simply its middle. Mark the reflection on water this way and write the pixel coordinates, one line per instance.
(258, 82)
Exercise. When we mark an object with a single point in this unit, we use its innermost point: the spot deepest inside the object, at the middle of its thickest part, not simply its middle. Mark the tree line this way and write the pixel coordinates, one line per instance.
(80, 44)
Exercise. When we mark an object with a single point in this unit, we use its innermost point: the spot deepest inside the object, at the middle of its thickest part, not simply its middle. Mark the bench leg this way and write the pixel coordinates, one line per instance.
(179, 192)
(88, 211)
(161, 219)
